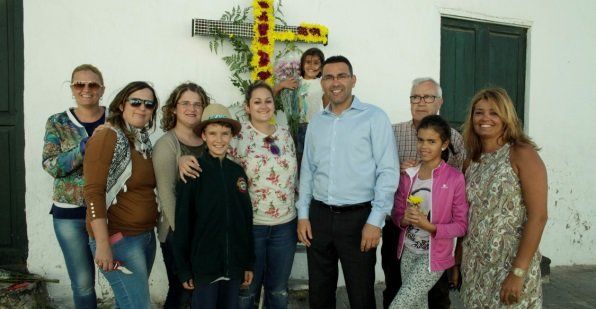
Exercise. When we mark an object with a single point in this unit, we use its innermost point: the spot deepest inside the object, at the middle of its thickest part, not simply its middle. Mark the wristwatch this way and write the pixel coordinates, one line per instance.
(518, 272)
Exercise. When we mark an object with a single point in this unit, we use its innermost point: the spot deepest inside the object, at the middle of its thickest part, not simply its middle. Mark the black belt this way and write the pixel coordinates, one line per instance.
(343, 208)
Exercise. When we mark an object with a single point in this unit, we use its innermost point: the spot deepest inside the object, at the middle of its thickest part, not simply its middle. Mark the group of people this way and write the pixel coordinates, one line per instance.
(230, 200)
(499, 206)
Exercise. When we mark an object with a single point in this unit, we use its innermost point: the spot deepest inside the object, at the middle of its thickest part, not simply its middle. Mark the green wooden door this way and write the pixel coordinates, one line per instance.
(13, 231)
(475, 55)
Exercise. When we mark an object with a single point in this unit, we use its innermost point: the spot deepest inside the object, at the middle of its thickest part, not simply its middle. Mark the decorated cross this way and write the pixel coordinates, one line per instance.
(264, 33)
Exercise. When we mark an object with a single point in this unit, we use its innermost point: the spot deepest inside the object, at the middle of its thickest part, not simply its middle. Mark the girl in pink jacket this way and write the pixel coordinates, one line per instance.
(432, 211)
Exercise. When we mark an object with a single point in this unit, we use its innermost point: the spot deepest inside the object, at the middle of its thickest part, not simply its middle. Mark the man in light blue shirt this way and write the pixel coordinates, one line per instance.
(348, 179)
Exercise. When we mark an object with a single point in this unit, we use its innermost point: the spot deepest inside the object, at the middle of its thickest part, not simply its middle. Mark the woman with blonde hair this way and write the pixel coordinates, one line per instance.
(63, 152)
(506, 186)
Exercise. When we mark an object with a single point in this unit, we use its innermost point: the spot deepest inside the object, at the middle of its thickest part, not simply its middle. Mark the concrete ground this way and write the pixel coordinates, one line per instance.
(569, 287)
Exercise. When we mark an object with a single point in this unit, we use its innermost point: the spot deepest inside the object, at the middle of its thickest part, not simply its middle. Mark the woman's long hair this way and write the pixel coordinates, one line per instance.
(502, 105)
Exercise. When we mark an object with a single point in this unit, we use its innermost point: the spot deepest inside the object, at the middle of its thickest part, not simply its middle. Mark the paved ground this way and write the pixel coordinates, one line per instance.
(569, 287)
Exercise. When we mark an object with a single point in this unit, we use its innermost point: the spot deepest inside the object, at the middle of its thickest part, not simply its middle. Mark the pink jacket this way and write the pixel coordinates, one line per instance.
(448, 212)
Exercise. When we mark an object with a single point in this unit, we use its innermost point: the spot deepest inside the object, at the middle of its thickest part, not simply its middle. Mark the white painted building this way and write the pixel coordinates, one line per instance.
(389, 43)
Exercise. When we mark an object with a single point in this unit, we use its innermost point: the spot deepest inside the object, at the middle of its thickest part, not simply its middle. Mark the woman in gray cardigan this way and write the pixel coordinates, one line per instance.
(181, 114)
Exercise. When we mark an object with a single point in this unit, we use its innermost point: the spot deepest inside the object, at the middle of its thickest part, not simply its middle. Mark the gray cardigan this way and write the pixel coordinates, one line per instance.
(165, 164)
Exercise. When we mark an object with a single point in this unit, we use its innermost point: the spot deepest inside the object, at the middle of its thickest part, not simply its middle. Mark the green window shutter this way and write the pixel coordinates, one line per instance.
(13, 229)
(475, 55)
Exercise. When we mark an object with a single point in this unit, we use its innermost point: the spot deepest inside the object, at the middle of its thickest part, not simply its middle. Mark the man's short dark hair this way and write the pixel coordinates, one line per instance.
(338, 59)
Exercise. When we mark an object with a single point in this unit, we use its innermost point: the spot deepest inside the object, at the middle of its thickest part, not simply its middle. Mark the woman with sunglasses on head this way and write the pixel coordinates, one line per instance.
(181, 115)
(64, 147)
(120, 196)
(267, 154)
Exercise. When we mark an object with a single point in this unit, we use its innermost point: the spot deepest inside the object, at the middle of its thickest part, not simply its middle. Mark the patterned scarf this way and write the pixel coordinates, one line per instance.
(121, 166)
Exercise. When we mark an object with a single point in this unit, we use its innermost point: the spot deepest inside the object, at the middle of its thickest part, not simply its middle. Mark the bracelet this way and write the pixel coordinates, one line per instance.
(518, 272)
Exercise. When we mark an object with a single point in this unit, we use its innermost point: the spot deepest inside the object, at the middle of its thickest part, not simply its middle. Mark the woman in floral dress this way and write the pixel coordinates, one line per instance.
(507, 189)
(268, 156)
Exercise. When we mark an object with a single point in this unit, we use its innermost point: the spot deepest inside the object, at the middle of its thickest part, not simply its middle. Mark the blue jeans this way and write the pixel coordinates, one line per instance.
(72, 237)
(274, 255)
(222, 294)
(178, 296)
(137, 254)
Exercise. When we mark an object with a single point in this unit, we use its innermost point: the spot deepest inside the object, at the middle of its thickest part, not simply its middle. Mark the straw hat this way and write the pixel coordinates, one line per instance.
(217, 113)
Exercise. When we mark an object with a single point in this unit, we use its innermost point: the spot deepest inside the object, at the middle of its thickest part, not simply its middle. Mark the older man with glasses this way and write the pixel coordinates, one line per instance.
(425, 99)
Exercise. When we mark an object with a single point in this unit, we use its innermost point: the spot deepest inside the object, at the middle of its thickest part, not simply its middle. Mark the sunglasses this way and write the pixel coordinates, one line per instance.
(136, 102)
(82, 85)
(272, 146)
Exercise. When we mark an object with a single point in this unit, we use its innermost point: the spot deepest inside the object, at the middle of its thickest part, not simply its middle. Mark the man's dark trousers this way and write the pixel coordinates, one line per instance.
(438, 296)
(390, 262)
(337, 235)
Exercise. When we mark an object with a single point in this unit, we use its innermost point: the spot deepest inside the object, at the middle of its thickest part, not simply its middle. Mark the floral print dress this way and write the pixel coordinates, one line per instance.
(496, 220)
(271, 173)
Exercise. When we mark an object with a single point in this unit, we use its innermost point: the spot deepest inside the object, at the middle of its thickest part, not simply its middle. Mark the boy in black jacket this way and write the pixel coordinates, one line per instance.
(213, 245)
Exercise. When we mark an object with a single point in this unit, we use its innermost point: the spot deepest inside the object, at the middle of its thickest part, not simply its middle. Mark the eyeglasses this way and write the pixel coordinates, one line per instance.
(272, 146)
(340, 77)
(186, 104)
(136, 102)
(81, 85)
(415, 99)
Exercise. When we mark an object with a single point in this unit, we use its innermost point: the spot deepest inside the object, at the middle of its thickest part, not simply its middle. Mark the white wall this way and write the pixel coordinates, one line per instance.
(389, 43)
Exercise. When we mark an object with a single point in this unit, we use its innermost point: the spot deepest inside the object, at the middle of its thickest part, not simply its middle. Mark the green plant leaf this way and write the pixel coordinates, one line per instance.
(238, 62)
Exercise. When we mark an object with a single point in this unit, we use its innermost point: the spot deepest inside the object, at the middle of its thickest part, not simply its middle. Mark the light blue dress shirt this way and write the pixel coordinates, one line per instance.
(350, 159)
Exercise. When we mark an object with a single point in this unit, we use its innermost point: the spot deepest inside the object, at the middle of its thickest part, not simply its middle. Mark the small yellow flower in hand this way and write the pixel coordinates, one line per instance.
(415, 201)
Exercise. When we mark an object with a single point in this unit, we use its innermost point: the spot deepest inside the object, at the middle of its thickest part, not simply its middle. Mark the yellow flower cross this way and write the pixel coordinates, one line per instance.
(264, 32)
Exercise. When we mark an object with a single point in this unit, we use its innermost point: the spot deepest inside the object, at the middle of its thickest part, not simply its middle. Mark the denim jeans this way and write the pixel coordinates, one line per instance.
(73, 238)
(222, 294)
(137, 254)
(274, 255)
(178, 296)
